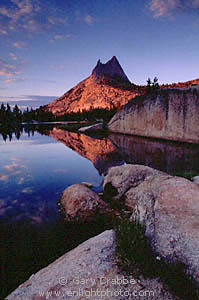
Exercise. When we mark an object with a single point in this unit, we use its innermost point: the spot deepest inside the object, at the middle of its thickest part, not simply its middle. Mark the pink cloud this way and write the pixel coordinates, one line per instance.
(89, 19)
(19, 44)
(12, 80)
(162, 8)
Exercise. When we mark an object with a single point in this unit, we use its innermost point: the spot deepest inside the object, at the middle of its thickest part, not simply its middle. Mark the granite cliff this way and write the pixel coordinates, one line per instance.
(171, 114)
(106, 87)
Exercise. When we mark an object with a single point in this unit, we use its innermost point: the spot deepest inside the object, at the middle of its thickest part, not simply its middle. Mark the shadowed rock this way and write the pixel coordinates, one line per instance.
(88, 271)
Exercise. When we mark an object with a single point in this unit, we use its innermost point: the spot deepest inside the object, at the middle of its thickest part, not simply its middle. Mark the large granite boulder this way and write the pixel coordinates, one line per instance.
(122, 178)
(88, 272)
(169, 209)
(80, 203)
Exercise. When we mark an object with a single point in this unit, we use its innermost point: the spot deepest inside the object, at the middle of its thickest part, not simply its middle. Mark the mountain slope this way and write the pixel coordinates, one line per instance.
(106, 87)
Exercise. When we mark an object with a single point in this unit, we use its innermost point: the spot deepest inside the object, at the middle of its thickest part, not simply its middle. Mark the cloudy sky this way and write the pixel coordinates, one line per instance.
(48, 46)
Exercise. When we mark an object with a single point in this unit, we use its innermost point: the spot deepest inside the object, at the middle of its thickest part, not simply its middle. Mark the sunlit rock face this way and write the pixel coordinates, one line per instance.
(100, 151)
(169, 114)
(106, 87)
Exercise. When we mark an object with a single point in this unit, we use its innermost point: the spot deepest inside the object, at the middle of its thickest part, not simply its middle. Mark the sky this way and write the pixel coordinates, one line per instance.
(48, 46)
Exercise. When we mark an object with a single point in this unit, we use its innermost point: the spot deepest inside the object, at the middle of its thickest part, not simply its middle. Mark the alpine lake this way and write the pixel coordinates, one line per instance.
(37, 163)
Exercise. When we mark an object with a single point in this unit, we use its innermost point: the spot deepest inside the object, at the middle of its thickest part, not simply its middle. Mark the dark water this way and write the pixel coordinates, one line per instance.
(37, 165)
(174, 158)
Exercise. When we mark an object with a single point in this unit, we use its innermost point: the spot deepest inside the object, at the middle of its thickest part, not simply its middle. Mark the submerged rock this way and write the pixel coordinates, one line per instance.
(88, 184)
(92, 128)
(196, 180)
(80, 203)
(88, 272)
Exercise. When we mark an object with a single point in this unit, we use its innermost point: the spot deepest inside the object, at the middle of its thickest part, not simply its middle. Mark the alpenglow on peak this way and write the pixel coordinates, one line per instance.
(107, 87)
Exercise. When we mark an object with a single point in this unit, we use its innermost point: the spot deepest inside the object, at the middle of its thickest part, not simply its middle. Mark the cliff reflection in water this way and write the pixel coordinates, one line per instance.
(168, 156)
(117, 149)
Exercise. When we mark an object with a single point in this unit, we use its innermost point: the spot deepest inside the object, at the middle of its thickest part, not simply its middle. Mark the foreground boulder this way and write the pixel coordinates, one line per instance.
(88, 272)
(122, 178)
(80, 203)
(169, 209)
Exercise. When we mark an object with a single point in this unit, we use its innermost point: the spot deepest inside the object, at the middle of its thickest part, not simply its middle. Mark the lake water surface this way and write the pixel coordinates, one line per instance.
(37, 165)
(34, 171)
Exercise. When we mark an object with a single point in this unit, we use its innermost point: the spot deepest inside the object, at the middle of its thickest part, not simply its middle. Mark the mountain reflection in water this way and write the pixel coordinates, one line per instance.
(169, 156)
(101, 152)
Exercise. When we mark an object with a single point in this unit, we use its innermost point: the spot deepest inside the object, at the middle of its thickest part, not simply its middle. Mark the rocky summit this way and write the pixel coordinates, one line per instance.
(111, 69)
(106, 87)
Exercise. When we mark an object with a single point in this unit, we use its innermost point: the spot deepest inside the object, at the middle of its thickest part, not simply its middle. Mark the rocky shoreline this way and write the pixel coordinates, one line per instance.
(168, 209)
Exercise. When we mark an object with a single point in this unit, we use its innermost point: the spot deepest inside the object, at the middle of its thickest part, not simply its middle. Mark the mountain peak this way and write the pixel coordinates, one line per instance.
(114, 59)
(107, 87)
(109, 70)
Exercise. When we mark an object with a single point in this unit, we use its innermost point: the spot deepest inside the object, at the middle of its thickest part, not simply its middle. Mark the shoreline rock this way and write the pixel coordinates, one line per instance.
(127, 176)
(80, 203)
(89, 268)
